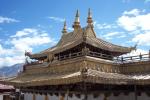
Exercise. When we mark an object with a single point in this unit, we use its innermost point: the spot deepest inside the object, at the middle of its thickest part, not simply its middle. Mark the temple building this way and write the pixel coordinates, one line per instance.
(83, 67)
(6, 92)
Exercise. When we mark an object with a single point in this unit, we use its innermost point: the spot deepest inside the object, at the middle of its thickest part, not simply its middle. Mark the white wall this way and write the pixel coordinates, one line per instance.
(121, 96)
(40, 97)
(130, 96)
(28, 96)
(53, 97)
(74, 97)
(1, 97)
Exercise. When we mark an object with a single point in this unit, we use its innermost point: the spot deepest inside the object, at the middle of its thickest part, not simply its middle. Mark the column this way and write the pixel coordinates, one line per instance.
(46, 97)
(61, 97)
(34, 96)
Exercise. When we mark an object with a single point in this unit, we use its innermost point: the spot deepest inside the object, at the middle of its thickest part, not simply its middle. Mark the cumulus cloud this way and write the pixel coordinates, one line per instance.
(7, 20)
(142, 39)
(137, 52)
(25, 39)
(25, 32)
(57, 19)
(135, 22)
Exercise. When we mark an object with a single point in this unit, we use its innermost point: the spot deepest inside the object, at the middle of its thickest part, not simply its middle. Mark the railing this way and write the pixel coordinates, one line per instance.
(128, 59)
(137, 58)
(100, 55)
(90, 53)
(71, 55)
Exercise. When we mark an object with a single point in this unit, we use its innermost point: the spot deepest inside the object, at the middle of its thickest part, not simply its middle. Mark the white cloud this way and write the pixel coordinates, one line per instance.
(104, 25)
(57, 19)
(111, 35)
(7, 20)
(136, 52)
(25, 32)
(135, 22)
(142, 39)
(8, 61)
(26, 39)
(134, 12)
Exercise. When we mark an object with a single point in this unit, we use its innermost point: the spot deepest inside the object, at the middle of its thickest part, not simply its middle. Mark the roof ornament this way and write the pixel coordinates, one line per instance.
(134, 47)
(89, 18)
(64, 31)
(77, 21)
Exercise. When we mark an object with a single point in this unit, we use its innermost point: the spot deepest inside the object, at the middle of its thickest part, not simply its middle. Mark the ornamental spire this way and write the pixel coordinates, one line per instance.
(89, 18)
(77, 21)
(64, 31)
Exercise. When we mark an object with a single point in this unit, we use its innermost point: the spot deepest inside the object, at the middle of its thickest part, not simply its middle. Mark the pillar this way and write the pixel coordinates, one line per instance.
(61, 97)
(34, 97)
(46, 97)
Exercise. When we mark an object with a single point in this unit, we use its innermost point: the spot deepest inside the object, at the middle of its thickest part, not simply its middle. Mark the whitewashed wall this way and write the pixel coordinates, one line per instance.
(122, 96)
(54, 97)
(131, 96)
(1, 97)
(40, 97)
(28, 96)
(74, 97)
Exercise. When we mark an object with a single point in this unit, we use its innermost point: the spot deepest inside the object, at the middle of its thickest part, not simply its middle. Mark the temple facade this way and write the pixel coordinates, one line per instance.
(83, 67)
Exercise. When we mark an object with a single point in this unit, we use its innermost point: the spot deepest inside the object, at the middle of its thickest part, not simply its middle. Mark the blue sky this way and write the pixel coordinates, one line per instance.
(35, 25)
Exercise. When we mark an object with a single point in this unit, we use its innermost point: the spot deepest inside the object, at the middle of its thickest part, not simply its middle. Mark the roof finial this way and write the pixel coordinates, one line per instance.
(64, 31)
(89, 13)
(89, 18)
(77, 20)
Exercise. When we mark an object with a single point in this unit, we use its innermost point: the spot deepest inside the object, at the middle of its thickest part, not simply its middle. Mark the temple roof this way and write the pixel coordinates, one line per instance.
(6, 87)
(86, 69)
(91, 76)
(83, 35)
(88, 36)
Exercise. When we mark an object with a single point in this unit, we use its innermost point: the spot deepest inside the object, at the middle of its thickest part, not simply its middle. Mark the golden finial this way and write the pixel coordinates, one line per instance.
(89, 13)
(77, 17)
(89, 18)
(64, 31)
(77, 20)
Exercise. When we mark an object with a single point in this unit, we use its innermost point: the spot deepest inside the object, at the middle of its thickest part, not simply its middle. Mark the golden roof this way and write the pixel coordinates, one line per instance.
(86, 35)
(91, 76)
(83, 69)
